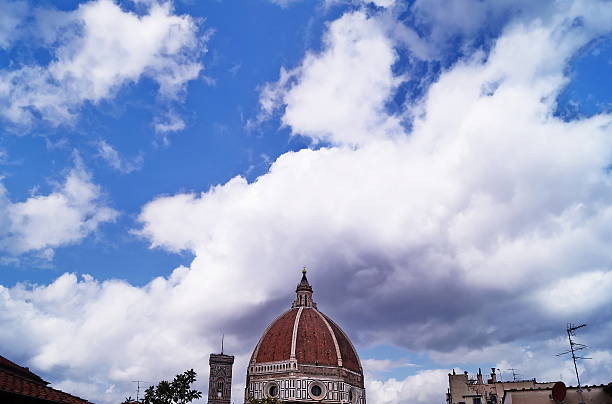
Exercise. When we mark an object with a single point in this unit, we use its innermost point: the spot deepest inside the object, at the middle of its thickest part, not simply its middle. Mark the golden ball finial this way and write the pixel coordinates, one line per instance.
(304, 270)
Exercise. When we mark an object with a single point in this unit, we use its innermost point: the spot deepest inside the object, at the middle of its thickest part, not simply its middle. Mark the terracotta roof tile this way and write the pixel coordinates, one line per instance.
(314, 344)
(14, 384)
(18, 380)
(276, 343)
(14, 368)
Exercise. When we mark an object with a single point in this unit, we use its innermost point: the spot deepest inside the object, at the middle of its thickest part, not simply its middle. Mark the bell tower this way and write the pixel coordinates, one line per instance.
(220, 378)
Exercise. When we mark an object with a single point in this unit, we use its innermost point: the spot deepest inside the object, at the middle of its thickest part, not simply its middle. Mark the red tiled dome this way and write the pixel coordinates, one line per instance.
(305, 357)
(309, 337)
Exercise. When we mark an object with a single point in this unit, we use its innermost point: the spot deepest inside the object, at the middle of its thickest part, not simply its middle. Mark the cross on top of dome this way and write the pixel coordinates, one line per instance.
(304, 293)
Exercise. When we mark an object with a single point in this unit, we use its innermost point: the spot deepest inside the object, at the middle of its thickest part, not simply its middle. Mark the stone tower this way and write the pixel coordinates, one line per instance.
(220, 378)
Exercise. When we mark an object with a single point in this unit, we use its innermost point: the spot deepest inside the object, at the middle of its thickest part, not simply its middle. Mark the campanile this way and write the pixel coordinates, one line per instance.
(220, 378)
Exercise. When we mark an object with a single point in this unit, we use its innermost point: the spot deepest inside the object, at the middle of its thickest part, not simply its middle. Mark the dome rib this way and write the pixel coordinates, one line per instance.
(350, 359)
(309, 337)
(333, 335)
(295, 331)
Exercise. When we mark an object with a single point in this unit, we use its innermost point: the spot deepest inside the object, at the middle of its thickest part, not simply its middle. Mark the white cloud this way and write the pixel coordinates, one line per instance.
(112, 157)
(65, 216)
(428, 386)
(171, 123)
(13, 13)
(97, 49)
(483, 354)
(284, 3)
(333, 99)
(330, 3)
(576, 295)
(373, 366)
(139, 333)
(446, 21)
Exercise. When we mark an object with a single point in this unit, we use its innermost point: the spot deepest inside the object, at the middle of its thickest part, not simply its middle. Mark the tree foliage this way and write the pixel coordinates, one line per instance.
(178, 391)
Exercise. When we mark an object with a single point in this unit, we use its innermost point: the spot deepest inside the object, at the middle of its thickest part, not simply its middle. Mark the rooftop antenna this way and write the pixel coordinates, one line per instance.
(138, 388)
(574, 347)
(222, 338)
(514, 373)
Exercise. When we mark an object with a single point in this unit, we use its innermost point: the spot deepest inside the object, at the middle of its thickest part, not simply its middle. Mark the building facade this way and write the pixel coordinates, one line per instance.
(305, 357)
(601, 394)
(220, 378)
(465, 390)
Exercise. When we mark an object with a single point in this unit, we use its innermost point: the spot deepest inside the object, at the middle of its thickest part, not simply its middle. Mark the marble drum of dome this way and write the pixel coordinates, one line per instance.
(305, 357)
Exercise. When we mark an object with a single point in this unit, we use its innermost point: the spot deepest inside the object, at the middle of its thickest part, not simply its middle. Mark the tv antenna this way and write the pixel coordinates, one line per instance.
(138, 387)
(515, 373)
(574, 347)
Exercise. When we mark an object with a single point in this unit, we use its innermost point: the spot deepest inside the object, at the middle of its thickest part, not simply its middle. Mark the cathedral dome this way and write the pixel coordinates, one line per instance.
(317, 341)
(304, 356)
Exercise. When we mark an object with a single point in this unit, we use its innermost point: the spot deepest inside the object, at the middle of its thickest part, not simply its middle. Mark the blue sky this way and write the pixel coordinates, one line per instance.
(442, 169)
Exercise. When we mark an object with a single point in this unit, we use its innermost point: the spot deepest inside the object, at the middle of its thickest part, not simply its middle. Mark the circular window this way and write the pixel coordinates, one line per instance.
(317, 390)
(272, 390)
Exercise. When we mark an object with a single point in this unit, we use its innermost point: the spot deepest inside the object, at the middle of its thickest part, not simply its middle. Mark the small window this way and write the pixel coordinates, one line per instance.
(476, 400)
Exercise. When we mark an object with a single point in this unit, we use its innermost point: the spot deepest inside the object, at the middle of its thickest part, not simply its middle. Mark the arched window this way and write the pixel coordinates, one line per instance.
(220, 388)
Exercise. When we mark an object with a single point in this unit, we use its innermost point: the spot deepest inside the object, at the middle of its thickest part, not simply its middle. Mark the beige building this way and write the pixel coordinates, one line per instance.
(587, 394)
(465, 390)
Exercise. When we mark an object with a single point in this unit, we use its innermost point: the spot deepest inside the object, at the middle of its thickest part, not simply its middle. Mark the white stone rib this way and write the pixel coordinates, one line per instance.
(333, 337)
(351, 344)
(294, 335)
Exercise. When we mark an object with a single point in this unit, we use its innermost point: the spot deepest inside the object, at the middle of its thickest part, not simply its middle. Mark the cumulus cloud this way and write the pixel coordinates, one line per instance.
(333, 100)
(433, 239)
(117, 316)
(479, 206)
(97, 49)
(42, 222)
(576, 295)
(427, 386)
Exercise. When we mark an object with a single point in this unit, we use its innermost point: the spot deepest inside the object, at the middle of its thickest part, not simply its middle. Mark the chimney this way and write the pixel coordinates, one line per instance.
(493, 376)
(479, 376)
